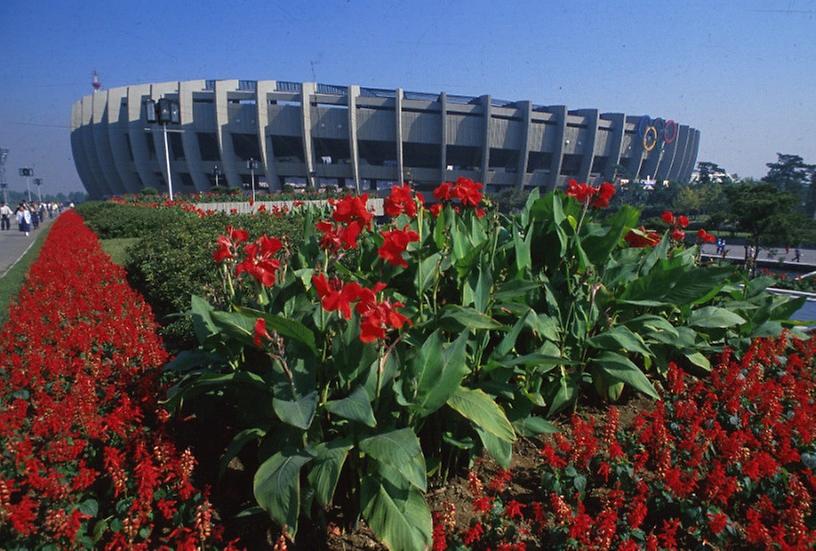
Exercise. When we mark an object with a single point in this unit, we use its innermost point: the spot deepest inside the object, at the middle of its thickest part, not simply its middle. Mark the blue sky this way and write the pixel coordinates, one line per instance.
(743, 72)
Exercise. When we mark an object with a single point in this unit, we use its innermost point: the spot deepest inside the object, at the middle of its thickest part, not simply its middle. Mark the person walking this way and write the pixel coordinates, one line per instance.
(5, 217)
(35, 217)
(24, 219)
(797, 254)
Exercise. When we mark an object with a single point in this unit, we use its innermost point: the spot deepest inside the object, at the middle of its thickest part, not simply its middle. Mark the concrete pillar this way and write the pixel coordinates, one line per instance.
(138, 137)
(618, 121)
(560, 112)
(354, 150)
(669, 151)
(398, 96)
(117, 138)
(78, 150)
(102, 143)
(307, 90)
(487, 105)
(226, 150)
(526, 108)
(102, 189)
(691, 155)
(591, 118)
(638, 153)
(680, 155)
(443, 139)
(262, 91)
(651, 162)
(189, 138)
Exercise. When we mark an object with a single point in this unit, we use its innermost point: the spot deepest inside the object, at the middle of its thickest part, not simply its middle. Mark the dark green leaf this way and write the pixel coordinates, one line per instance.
(355, 406)
(298, 413)
(277, 487)
(621, 368)
(483, 411)
(328, 463)
(400, 449)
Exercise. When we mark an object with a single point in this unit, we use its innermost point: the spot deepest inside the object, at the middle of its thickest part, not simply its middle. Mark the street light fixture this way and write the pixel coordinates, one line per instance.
(3, 184)
(252, 165)
(27, 173)
(38, 183)
(164, 112)
(216, 173)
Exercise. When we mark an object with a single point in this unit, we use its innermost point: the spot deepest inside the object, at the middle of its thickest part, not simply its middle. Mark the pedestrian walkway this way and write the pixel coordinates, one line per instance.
(737, 252)
(14, 243)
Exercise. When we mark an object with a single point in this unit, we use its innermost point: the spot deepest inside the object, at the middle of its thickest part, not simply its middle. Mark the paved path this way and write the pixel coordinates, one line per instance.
(738, 252)
(13, 243)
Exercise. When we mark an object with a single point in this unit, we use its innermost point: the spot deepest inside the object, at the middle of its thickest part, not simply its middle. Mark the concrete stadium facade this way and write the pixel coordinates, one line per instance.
(358, 137)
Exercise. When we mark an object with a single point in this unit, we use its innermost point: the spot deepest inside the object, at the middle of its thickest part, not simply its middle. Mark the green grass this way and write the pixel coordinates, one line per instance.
(117, 248)
(11, 283)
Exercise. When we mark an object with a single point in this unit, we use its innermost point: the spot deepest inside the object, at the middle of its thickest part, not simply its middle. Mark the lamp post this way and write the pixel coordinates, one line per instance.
(3, 185)
(38, 183)
(164, 112)
(27, 173)
(216, 173)
(252, 165)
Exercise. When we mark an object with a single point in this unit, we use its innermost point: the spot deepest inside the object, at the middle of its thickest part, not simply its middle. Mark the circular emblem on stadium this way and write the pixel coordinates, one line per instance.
(670, 131)
(650, 138)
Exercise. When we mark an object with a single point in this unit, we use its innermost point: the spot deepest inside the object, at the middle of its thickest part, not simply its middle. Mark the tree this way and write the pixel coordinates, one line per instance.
(792, 175)
(708, 172)
(766, 214)
(689, 200)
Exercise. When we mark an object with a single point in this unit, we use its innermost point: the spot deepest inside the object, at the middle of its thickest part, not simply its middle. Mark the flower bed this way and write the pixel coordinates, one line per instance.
(723, 463)
(84, 459)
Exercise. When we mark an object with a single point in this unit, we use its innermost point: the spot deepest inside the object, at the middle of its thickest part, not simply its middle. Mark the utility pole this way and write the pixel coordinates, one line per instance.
(27, 173)
(3, 184)
(164, 112)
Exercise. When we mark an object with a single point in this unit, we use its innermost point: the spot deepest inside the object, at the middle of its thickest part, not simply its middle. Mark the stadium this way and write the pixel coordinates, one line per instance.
(221, 132)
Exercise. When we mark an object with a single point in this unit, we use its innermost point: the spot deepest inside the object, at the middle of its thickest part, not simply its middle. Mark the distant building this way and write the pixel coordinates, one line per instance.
(360, 137)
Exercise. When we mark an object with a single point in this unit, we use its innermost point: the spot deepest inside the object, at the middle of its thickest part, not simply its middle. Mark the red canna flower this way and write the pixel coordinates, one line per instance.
(444, 192)
(436, 208)
(582, 192)
(352, 208)
(667, 217)
(603, 195)
(678, 235)
(402, 200)
(468, 191)
(259, 261)
(260, 334)
(705, 237)
(395, 243)
(683, 221)
(641, 237)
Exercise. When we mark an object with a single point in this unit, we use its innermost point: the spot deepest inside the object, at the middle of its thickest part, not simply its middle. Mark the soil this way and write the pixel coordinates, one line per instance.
(230, 496)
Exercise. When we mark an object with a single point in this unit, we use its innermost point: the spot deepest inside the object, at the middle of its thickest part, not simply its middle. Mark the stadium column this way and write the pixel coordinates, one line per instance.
(225, 148)
(443, 139)
(487, 105)
(262, 90)
(589, 143)
(669, 151)
(78, 149)
(307, 89)
(652, 160)
(189, 138)
(618, 121)
(637, 150)
(691, 154)
(526, 108)
(102, 143)
(680, 155)
(398, 131)
(157, 91)
(117, 137)
(352, 95)
(97, 178)
(138, 137)
(560, 112)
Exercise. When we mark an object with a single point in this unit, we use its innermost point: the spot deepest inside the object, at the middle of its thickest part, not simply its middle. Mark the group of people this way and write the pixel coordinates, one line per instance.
(27, 214)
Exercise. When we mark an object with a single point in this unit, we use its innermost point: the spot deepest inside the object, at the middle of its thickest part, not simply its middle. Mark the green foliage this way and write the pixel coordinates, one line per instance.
(174, 261)
(512, 318)
(765, 213)
(110, 220)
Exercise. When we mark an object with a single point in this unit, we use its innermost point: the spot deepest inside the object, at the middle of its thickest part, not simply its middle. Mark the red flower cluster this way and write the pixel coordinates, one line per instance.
(726, 462)
(394, 244)
(81, 438)
(376, 317)
(678, 223)
(350, 218)
(586, 194)
(403, 200)
(705, 237)
(641, 237)
(466, 191)
(259, 261)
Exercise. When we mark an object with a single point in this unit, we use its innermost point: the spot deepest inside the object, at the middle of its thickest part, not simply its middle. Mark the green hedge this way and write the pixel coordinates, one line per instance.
(109, 220)
(175, 261)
